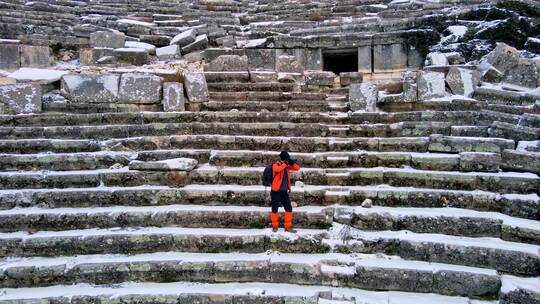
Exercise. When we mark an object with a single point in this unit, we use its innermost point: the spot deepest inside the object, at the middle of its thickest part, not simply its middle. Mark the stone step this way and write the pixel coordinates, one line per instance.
(361, 271)
(225, 128)
(516, 205)
(516, 290)
(465, 161)
(212, 77)
(506, 182)
(48, 145)
(187, 216)
(187, 292)
(251, 87)
(265, 107)
(105, 131)
(449, 221)
(99, 108)
(152, 239)
(493, 253)
(265, 96)
(465, 118)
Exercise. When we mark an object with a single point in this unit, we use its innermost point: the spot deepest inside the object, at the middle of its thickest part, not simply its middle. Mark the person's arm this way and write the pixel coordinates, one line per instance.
(278, 167)
(294, 166)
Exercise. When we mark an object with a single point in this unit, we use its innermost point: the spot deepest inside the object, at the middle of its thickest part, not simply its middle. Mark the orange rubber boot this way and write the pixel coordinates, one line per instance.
(275, 221)
(288, 222)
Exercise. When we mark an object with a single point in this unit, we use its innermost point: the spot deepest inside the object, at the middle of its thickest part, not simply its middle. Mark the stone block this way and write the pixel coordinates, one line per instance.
(462, 81)
(288, 64)
(521, 160)
(491, 74)
(313, 59)
(108, 39)
(150, 48)
(415, 60)
(431, 85)
(184, 38)
(157, 40)
(363, 97)
(263, 59)
(20, 98)
(36, 56)
(41, 76)
(348, 78)
(436, 58)
(89, 56)
(168, 52)
(320, 78)
(364, 59)
(196, 87)
(526, 73)
(10, 57)
(132, 56)
(483, 162)
(263, 76)
(228, 63)
(503, 58)
(200, 43)
(90, 88)
(140, 88)
(389, 57)
(410, 87)
(173, 97)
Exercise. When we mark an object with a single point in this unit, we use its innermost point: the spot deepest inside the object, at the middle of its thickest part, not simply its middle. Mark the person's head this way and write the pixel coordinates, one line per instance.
(284, 155)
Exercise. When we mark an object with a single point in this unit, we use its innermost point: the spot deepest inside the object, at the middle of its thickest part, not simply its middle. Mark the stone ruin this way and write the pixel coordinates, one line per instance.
(134, 136)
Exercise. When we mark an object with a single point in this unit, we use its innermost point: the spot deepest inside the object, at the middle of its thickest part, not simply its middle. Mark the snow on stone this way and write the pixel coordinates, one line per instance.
(457, 30)
(140, 45)
(511, 283)
(40, 75)
(135, 22)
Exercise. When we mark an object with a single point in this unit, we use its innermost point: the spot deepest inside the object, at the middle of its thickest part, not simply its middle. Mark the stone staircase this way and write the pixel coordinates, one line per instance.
(417, 204)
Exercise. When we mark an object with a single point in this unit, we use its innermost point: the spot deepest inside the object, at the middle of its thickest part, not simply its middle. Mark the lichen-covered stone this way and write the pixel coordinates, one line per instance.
(196, 87)
(107, 39)
(20, 98)
(140, 88)
(173, 97)
(462, 81)
(363, 97)
(228, 63)
(90, 88)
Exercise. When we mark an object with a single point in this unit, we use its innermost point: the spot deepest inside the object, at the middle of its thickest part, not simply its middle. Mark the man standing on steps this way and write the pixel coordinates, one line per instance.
(281, 186)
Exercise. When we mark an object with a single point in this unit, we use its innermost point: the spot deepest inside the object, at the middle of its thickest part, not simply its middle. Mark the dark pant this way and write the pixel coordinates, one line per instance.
(282, 197)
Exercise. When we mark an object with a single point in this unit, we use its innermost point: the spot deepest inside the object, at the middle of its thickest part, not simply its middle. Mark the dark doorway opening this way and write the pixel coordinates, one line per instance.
(338, 61)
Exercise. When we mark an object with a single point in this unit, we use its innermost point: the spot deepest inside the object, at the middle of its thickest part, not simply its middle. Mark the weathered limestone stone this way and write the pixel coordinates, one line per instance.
(90, 88)
(521, 160)
(462, 81)
(10, 57)
(491, 74)
(313, 59)
(41, 76)
(108, 39)
(363, 97)
(348, 78)
(20, 98)
(364, 59)
(175, 164)
(151, 49)
(36, 56)
(264, 59)
(132, 55)
(436, 58)
(410, 88)
(168, 52)
(184, 38)
(263, 76)
(196, 87)
(389, 57)
(321, 78)
(200, 43)
(107, 60)
(89, 56)
(228, 63)
(288, 64)
(140, 88)
(156, 40)
(173, 97)
(431, 85)
(484, 162)
(526, 73)
(503, 57)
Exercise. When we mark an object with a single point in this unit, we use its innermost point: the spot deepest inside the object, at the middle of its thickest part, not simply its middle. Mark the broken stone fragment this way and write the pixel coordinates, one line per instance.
(503, 57)
(184, 38)
(431, 85)
(20, 98)
(132, 55)
(173, 97)
(196, 87)
(140, 88)
(174, 164)
(108, 39)
(200, 43)
(367, 203)
(227, 63)
(462, 81)
(363, 97)
(348, 78)
(168, 52)
(90, 88)
(321, 78)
